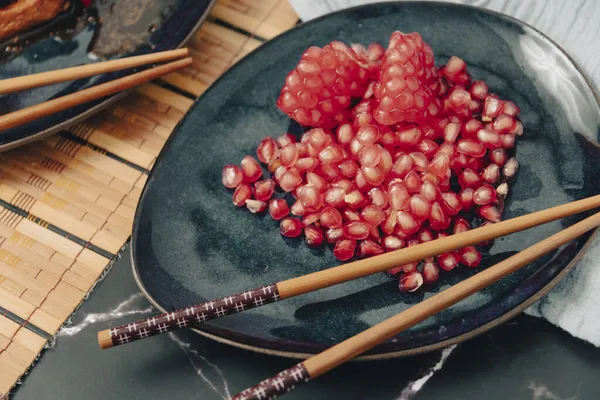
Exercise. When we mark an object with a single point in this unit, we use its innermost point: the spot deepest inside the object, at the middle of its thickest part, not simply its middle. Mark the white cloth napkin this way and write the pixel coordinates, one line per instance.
(574, 304)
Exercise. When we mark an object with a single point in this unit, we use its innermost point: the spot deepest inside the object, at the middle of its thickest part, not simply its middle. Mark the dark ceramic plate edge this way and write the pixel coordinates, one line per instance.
(509, 314)
(99, 107)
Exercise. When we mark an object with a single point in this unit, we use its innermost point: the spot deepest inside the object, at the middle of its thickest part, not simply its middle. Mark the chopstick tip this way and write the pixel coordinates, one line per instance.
(104, 340)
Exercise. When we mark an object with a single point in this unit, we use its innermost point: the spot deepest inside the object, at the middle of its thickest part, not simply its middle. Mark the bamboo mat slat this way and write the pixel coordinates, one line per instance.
(67, 202)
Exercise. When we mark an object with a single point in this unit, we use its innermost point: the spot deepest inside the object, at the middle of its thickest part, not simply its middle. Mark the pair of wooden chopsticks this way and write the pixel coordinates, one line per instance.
(338, 354)
(50, 107)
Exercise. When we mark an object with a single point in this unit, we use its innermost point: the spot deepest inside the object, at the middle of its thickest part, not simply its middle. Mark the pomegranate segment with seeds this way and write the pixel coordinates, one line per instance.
(395, 152)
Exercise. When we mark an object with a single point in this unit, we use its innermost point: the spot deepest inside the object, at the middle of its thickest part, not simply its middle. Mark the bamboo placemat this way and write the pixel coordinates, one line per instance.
(67, 202)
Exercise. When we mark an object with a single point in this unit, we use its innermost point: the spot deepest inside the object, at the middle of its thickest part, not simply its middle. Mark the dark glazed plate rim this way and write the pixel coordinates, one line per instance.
(103, 104)
(251, 344)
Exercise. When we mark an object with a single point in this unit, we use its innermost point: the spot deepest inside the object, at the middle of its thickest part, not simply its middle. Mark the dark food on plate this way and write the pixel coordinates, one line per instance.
(399, 152)
(20, 15)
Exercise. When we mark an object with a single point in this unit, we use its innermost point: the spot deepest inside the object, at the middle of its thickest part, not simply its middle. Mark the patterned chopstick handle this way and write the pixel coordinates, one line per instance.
(274, 387)
(189, 316)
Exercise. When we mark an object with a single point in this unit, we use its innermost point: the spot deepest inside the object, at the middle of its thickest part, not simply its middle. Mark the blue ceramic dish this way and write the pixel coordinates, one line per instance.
(191, 244)
(145, 25)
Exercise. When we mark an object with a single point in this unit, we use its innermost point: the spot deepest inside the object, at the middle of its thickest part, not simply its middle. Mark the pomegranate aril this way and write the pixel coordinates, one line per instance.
(373, 215)
(331, 218)
(374, 176)
(334, 153)
(492, 107)
(460, 225)
(344, 249)
(489, 212)
(289, 180)
(451, 132)
(510, 108)
(386, 163)
(438, 220)
(231, 176)
(273, 165)
(489, 138)
(256, 206)
(469, 179)
(263, 190)
(345, 184)
(355, 199)
(288, 155)
(471, 128)
(242, 193)
(491, 173)
(518, 129)
(471, 148)
(334, 234)
(315, 180)
(425, 235)
(356, 230)
(398, 196)
(368, 248)
(329, 171)
(306, 164)
(409, 137)
(378, 197)
(427, 147)
(403, 165)
(454, 66)
(311, 198)
(349, 215)
(285, 139)
(278, 209)
(440, 165)
(470, 257)
(407, 223)
(310, 219)
(510, 168)
(392, 243)
(317, 139)
(290, 227)
(334, 197)
(389, 225)
(508, 141)
(430, 271)
(348, 168)
(410, 281)
(498, 156)
(266, 150)
(419, 207)
(250, 169)
(369, 156)
(478, 90)
(429, 191)
(448, 261)
(451, 203)
(413, 182)
(504, 123)
(502, 190)
(367, 134)
(313, 236)
(420, 161)
(345, 134)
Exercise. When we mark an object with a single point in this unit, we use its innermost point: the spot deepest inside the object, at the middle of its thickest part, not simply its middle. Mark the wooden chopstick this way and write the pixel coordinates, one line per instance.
(366, 340)
(303, 284)
(50, 107)
(83, 71)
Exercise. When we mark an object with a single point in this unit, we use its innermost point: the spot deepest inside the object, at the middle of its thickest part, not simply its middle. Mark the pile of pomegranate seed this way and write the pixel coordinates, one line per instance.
(400, 153)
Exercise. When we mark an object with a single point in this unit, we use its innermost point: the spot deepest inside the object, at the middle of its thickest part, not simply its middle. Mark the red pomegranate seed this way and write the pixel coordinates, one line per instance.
(459, 99)
(378, 197)
(334, 234)
(297, 209)
(489, 138)
(438, 220)
(403, 165)
(242, 193)
(355, 199)
(331, 218)
(317, 139)
(502, 190)
(454, 66)
(451, 132)
(356, 230)
(311, 198)
(348, 168)
(459, 162)
(373, 215)
(289, 180)
(231, 176)
(263, 190)
(470, 257)
(419, 160)
(360, 181)
(451, 203)
(508, 141)
(313, 236)
(345, 134)
(491, 173)
(369, 156)
(429, 191)
(410, 281)
(392, 243)
(334, 153)
(302, 149)
(255, 206)
(266, 150)
(425, 235)
(344, 249)
(398, 196)
(469, 179)
(504, 123)
(448, 261)
(355, 147)
(461, 225)
(288, 155)
(279, 173)
(471, 128)
(374, 176)
(419, 207)
(367, 134)
(273, 165)
(510, 168)
(315, 180)
(349, 215)
(430, 271)
(409, 137)
(285, 139)
(387, 139)
(386, 163)
(471, 148)
(251, 169)
(345, 184)
(407, 223)
(389, 226)
(498, 156)
(489, 212)
(334, 197)
(510, 108)
(440, 165)
(329, 172)
(310, 219)
(492, 107)
(368, 248)
(518, 129)
(278, 209)
(290, 227)
(479, 90)
(475, 164)
(413, 182)
(427, 147)
(306, 164)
